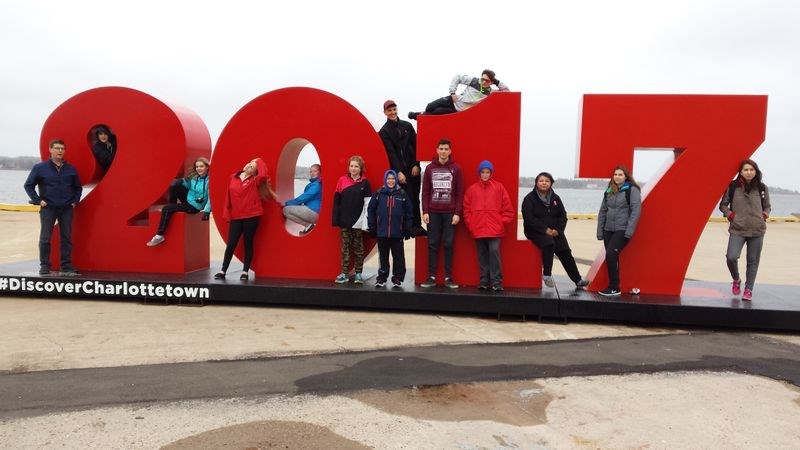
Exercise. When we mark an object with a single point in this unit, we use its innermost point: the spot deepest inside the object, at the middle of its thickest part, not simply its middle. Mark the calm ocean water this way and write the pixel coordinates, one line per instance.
(577, 201)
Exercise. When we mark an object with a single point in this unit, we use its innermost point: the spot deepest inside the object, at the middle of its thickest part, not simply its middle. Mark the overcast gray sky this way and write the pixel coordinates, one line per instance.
(213, 57)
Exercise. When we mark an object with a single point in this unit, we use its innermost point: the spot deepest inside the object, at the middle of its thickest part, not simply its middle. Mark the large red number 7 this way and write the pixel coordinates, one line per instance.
(711, 135)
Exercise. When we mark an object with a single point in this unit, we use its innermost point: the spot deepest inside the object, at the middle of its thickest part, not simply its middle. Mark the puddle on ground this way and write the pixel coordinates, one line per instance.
(519, 403)
(267, 434)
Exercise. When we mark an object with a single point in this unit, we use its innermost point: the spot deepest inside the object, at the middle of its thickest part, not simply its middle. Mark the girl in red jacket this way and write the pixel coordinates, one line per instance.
(487, 211)
(247, 190)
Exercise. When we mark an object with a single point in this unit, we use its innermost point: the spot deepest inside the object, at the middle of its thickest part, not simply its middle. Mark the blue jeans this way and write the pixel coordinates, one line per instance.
(440, 229)
(735, 245)
(48, 217)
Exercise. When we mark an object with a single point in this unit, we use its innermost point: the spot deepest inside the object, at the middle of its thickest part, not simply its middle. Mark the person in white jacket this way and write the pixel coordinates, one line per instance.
(476, 90)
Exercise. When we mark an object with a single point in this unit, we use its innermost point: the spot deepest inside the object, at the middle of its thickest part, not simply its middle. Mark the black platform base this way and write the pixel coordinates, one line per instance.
(774, 307)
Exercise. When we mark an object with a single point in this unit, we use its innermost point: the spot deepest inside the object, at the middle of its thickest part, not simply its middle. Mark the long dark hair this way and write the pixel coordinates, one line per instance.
(756, 181)
(628, 178)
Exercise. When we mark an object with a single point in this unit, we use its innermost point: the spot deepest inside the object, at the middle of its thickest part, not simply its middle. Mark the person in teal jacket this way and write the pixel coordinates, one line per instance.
(192, 192)
(304, 209)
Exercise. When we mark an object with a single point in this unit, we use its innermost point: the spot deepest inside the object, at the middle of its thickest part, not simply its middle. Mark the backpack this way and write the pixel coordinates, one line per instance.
(762, 190)
(627, 196)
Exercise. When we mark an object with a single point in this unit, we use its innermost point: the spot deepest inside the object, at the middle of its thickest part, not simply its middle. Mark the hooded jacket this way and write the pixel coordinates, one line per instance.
(487, 209)
(389, 214)
(311, 196)
(443, 188)
(616, 214)
(197, 188)
(748, 209)
(243, 200)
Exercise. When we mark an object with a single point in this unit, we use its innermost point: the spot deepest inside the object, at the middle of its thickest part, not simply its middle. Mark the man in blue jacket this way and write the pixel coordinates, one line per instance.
(59, 191)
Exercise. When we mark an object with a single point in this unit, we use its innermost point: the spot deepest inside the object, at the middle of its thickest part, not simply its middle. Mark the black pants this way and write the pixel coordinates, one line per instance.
(239, 227)
(395, 246)
(177, 191)
(440, 106)
(614, 241)
(440, 229)
(412, 186)
(47, 218)
(489, 263)
(567, 261)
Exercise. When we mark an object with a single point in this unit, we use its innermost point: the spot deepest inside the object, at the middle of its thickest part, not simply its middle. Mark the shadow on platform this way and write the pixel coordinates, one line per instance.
(774, 307)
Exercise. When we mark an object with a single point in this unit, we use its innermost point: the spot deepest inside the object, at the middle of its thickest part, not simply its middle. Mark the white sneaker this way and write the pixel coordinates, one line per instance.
(157, 239)
(548, 281)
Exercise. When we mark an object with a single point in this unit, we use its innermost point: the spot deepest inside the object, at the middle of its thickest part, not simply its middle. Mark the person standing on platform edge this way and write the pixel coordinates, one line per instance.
(477, 89)
(487, 211)
(193, 195)
(545, 219)
(348, 205)
(248, 189)
(389, 217)
(746, 206)
(59, 192)
(304, 209)
(105, 147)
(442, 208)
(400, 141)
(616, 222)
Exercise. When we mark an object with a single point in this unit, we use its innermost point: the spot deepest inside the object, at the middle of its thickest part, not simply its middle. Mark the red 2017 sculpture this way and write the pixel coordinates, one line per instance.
(157, 142)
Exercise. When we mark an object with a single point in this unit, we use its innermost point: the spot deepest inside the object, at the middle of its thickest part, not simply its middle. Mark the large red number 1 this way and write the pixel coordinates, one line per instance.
(711, 135)
(156, 143)
(487, 131)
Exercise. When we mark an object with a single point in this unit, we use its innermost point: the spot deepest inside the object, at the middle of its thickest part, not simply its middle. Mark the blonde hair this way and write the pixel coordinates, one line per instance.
(360, 162)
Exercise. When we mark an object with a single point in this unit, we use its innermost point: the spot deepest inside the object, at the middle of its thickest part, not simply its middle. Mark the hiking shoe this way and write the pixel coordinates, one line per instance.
(748, 295)
(358, 279)
(497, 287)
(44, 270)
(307, 229)
(380, 283)
(70, 270)
(157, 239)
(397, 283)
(428, 283)
(736, 287)
(483, 287)
(341, 278)
(581, 284)
(219, 275)
(413, 115)
(548, 281)
(449, 283)
(609, 292)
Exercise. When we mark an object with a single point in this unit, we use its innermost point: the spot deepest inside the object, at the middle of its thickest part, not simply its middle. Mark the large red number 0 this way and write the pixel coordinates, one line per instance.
(712, 134)
(276, 126)
(487, 131)
(156, 143)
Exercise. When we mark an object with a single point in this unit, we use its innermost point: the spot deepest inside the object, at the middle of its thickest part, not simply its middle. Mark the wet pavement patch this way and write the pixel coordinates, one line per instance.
(267, 434)
(519, 403)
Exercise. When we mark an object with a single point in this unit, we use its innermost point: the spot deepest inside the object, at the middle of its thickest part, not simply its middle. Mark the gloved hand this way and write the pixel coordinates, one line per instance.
(407, 235)
(731, 216)
(205, 216)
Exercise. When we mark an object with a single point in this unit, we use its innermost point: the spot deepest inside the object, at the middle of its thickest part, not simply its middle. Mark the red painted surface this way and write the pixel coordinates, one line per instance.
(716, 132)
(156, 143)
(276, 126)
(490, 130)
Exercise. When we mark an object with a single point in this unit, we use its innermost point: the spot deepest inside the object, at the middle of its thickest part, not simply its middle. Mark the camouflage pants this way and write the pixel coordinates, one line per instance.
(352, 238)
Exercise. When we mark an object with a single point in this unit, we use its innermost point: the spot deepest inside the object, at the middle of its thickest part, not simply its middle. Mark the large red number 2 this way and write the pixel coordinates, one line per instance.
(711, 135)
(156, 143)
(490, 131)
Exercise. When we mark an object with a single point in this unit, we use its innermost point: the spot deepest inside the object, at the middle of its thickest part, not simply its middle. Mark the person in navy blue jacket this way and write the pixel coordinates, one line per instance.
(390, 218)
(59, 192)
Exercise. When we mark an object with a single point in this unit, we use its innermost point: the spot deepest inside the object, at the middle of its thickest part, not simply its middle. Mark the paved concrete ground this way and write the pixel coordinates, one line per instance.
(98, 374)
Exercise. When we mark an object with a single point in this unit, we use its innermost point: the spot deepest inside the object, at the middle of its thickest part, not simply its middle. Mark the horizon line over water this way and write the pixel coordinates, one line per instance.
(577, 201)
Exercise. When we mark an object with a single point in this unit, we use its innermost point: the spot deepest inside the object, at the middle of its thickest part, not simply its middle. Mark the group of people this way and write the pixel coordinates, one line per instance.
(406, 199)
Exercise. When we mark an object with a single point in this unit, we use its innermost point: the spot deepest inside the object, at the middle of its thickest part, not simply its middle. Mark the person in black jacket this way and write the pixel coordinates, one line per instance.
(59, 192)
(352, 189)
(389, 218)
(400, 141)
(105, 147)
(545, 219)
